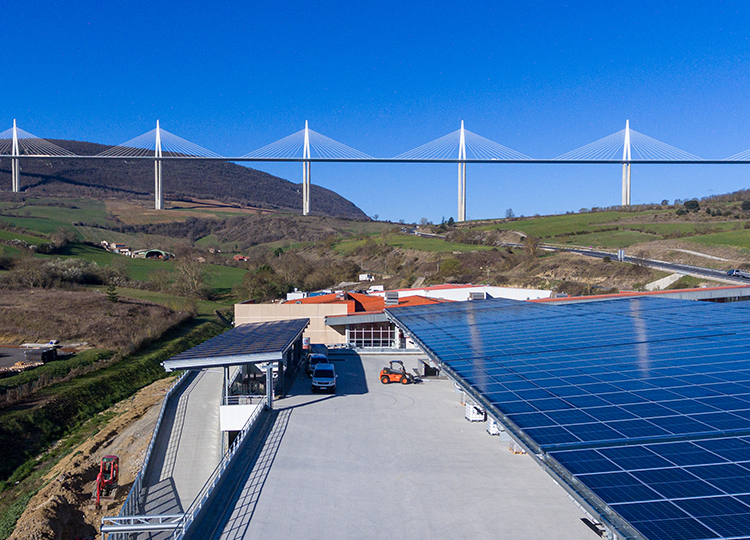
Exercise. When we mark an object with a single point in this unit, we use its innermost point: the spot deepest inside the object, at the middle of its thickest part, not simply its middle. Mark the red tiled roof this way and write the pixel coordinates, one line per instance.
(364, 303)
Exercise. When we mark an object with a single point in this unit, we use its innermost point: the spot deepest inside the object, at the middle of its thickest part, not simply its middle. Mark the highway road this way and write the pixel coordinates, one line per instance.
(697, 271)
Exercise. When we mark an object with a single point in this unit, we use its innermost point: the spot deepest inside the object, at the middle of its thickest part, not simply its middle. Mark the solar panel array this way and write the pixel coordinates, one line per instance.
(609, 389)
(248, 339)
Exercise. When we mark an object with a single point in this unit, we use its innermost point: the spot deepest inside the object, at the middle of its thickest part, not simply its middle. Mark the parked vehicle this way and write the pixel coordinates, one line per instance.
(313, 360)
(318, 348)
(396, 372)
(324, 377)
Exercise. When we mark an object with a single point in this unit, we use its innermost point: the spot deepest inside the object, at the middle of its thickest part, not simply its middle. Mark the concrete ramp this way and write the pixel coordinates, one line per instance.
(188, 445)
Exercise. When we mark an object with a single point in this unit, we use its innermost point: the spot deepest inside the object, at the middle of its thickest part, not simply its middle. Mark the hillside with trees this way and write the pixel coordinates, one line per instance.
(134, 179)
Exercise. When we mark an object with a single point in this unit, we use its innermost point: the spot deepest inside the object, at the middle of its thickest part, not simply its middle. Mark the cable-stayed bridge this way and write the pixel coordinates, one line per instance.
(626, 147)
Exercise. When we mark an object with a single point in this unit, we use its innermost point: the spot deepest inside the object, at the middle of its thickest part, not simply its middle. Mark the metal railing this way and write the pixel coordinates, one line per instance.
(248, 399)
(205, 493)
(129, 524)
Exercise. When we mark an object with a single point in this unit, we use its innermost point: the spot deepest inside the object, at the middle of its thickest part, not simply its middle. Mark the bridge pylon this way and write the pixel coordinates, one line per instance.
(462, 174)
(15, 165)
(158, 201)
(306, 173)
(626, 166)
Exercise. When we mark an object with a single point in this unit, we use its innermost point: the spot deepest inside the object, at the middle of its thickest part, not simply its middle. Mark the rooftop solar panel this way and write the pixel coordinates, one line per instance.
(646, 401)
(244, 341)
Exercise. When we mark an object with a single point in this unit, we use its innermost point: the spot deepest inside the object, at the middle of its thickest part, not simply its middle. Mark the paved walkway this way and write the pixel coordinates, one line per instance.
(188, 446)
(375, 461)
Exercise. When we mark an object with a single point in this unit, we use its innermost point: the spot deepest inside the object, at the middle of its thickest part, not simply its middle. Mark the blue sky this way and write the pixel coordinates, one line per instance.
(542, 78)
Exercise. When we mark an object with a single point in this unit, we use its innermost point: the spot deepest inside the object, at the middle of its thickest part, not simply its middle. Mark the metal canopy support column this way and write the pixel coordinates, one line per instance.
(462, 175)
(269, 385)
(306, 173)
(14, 164)
(227, 386)
(157, 170)
(626, 166)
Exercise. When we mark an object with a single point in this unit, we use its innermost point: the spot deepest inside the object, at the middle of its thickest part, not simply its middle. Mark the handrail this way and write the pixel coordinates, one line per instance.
(207, 489)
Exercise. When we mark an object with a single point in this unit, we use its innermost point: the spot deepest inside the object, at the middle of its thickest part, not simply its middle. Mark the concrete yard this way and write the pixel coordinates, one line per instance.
(385, 461)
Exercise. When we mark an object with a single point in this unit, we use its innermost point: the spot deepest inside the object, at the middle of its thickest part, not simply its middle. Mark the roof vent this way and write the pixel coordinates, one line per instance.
(391, 298)
(478, 296)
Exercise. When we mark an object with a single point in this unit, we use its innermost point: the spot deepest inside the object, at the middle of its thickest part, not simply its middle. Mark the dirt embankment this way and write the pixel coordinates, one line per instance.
(63, 508)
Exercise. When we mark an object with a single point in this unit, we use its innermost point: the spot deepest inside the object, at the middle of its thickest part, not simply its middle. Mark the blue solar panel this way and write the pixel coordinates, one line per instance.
(245, 340)
(645, 401)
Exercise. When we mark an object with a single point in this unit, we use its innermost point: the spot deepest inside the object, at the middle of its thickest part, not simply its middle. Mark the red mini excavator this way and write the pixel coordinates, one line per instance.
(106, 481)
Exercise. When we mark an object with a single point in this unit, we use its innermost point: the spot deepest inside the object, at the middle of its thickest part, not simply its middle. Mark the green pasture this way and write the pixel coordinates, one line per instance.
(40, 225)
(666, 229)
(418, 243)
(135, 241)
(739, 239)
(610, 239)
(171, 301)
(9, 235)
(220, 278)
(547, 226)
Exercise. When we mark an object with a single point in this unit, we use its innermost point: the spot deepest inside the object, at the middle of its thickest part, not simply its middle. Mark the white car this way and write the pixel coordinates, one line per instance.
(324, 378)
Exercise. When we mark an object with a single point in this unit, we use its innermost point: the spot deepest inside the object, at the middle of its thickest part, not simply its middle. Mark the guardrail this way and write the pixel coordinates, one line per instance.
(129, 524)
(134, 502)
(205, 493)
(243, 400)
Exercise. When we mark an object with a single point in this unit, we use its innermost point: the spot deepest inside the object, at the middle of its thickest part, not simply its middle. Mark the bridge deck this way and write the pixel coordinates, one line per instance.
(378, 461)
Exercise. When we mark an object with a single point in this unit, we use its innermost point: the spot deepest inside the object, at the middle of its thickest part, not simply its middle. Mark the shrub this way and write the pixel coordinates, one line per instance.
(692, 205)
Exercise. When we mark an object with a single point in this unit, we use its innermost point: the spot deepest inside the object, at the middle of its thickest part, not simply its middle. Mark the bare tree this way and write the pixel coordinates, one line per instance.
(531, 245)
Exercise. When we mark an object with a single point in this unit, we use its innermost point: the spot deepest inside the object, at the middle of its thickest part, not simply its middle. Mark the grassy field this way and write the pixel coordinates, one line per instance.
(666, 229)
(34, 240)
(40, 225)
(172, 301)
(739, 239)
(221, 278)
(54, 369)
(419, 243)
(608, 239)
(135, 241)
(546, 226)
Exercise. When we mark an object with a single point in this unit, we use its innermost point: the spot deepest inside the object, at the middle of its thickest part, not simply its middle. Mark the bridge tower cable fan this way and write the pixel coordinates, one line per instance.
(626, 166)
(158, 201)
(306, 170)
(462, 175)
(15, 166)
